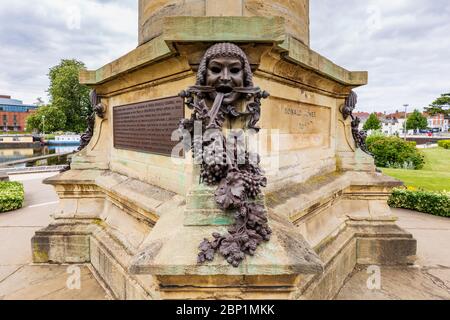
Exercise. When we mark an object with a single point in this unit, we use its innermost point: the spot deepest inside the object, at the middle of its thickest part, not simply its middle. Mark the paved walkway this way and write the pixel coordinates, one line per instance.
(20, 279)
(429, 279)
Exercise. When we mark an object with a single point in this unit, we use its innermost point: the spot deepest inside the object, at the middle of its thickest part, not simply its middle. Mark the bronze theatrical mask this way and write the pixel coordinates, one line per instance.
(347, 111)
(224, 80)
(225, 74)
(99, 111)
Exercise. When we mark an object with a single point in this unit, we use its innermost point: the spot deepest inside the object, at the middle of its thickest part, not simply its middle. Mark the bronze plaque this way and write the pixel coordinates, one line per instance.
(148, 126)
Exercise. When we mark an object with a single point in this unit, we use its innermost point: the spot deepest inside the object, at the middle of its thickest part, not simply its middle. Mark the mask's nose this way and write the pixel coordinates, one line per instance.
(225, 77)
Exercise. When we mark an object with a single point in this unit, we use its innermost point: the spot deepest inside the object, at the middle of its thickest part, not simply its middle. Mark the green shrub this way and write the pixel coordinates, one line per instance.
(393, 152)
(11, 196)
(436, 203)
(375, 136)
(444, 144)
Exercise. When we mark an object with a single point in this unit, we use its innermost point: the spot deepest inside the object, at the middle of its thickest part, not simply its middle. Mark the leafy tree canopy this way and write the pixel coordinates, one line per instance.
(69, 96)
(47, 119)
(440, 106)
(416, 121)
(373, 123)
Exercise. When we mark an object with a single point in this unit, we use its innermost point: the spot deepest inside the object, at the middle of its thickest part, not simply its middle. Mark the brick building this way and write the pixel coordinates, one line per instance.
(439, 122)
(14, 114)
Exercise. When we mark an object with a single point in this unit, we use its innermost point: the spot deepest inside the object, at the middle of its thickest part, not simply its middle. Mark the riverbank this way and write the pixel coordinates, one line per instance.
(19, 145)
(18, 154)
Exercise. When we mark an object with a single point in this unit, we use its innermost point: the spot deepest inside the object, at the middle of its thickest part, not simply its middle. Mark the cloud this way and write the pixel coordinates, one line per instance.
(404, 44)
(38, 34)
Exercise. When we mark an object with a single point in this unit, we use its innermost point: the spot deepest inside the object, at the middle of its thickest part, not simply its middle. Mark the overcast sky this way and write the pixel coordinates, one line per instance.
(404, 44)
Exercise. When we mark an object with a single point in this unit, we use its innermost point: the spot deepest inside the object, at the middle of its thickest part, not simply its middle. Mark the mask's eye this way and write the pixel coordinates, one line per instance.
(215, 70)
(235, 70)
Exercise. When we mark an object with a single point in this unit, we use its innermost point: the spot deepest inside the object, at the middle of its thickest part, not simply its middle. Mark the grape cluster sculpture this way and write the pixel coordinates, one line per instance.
(224, 79)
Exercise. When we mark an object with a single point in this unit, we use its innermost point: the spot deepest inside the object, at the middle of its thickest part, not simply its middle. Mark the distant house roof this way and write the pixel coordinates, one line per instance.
(397, 115)
(390, 120)
(362, 115)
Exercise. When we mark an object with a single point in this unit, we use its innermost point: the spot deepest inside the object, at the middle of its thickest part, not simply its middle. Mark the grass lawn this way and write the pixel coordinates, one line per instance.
(435, 176)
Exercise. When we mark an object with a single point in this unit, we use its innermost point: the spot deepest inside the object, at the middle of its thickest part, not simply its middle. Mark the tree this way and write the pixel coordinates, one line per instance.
(372, 123)
(69, 96)
(440, 106)
(416, 121)
(47, 119)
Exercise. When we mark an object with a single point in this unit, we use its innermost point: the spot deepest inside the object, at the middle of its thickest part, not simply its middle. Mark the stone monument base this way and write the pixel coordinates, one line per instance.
(322, 230)
(137, 216)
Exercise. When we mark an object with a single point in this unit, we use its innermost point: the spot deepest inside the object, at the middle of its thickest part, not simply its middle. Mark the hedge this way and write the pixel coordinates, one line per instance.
(11, 196)
(435, 203)
(444, 144)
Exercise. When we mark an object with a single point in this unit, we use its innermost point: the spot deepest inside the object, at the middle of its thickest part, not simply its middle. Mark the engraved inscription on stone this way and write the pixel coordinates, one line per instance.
(148, 126)
(300, 126)
(304, 119)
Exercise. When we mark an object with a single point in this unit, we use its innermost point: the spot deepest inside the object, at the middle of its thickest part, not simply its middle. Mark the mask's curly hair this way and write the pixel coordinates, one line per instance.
(351, 100)
(224, 50)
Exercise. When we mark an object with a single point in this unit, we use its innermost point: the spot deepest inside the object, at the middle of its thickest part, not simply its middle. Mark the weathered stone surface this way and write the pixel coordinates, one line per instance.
(396, 284)
(50, 283)
(7, 270)
(325, 199)
(60, 248)
(335, 275)
(149, 52)
(202, 208)
(111, 261)
(152, 14)
(224, 29)
(162, 254)
(300, 59)
(428, 279)
(387, 251)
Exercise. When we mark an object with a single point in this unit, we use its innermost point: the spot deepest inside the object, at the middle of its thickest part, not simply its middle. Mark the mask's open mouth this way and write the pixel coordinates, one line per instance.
(224, 89)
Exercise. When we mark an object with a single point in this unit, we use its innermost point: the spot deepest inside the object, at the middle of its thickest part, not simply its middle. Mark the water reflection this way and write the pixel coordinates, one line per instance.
(7, 155)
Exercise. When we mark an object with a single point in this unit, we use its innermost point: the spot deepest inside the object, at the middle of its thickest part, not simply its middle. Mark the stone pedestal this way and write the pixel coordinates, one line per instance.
(138, 217)
(152, 14)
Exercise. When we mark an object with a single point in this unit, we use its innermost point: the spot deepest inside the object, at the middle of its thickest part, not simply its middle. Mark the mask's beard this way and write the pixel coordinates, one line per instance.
(215, 110)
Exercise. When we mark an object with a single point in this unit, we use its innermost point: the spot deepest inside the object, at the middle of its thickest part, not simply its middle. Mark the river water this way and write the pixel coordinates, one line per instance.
(7, 155)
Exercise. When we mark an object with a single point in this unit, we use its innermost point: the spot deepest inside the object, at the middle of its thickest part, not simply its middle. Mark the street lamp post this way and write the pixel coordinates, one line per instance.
(43, 126)
(406, 118)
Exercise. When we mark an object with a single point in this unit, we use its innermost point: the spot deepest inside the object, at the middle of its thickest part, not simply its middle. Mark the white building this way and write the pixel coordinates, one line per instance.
(393, 126)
